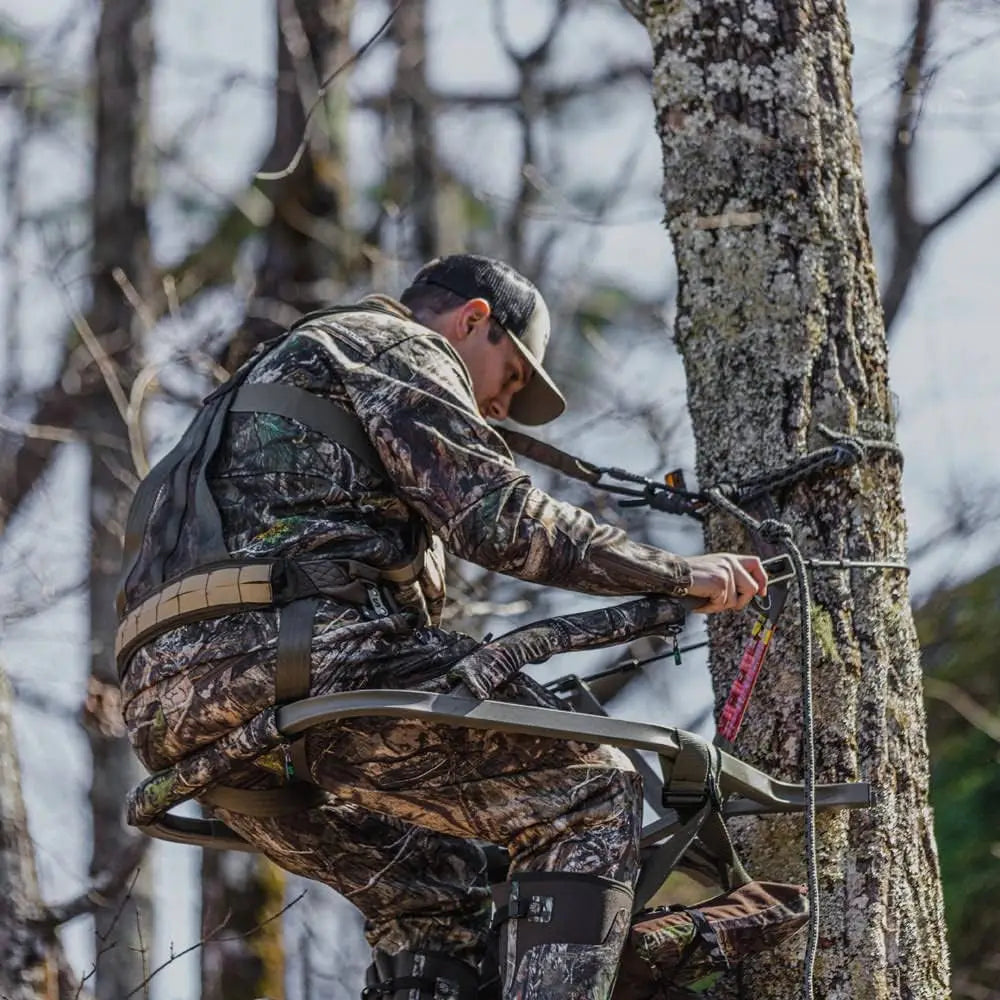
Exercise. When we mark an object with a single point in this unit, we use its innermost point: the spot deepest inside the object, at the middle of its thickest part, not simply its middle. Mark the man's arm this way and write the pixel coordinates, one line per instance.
(450, 467)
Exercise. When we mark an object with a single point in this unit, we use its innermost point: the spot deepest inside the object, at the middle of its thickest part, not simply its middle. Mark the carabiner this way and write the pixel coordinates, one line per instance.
(780, 572)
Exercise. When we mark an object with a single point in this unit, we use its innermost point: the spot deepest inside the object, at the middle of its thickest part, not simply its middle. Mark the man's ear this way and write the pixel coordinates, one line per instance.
(470, 315)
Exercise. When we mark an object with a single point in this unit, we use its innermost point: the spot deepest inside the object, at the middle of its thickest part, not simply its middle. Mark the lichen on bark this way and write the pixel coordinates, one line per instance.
(780, 329)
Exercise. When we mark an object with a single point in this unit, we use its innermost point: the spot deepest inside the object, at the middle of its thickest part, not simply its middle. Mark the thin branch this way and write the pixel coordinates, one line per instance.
(549, 98)
(964, 200)
(102, 892)
(908, 232)
(104, 363)
(965, 705)
(214, 936)
(287, 171)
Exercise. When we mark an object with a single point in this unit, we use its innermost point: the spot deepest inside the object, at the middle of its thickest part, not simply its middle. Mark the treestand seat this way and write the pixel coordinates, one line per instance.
(740, 788)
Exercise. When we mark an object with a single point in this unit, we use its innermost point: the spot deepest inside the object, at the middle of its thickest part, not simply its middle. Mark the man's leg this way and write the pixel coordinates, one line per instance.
(568, 810)
(418, 890)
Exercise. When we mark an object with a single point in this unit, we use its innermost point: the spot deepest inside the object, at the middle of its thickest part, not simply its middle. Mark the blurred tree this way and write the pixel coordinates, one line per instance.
(121, 268)
(781, 333)
(960, 633)
(32, 961)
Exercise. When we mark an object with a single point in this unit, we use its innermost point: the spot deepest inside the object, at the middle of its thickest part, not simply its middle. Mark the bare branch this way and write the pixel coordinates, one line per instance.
(964, 200)
(289, 169)
(214, 936)
(962, 702)
(102, 892)
(908, 232)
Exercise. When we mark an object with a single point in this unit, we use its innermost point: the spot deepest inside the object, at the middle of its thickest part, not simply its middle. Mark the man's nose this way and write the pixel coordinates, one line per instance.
(499, 407)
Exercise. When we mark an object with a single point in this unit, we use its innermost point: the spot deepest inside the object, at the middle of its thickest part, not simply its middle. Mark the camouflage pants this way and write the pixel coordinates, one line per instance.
(398, 835)
(407, 801)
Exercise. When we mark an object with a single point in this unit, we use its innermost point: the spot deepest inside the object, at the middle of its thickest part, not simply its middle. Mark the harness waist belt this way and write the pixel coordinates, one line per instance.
(245, 586)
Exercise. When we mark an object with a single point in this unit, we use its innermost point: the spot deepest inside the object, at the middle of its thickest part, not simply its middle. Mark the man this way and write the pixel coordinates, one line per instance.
(337, 462)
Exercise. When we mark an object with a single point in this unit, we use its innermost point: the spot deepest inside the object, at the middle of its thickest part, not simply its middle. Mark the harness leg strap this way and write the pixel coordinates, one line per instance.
(561, 933)
(291, 682)
(419, 975)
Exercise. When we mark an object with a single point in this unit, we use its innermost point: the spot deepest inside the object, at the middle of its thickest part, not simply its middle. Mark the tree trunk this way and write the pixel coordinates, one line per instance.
(310, 250)
(243, 955)
(31, 963)
(780, 328)
(124, 62)
(411, 228)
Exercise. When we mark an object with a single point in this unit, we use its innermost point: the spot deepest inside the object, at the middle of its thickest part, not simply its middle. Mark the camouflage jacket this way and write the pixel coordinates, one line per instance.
(283, 489)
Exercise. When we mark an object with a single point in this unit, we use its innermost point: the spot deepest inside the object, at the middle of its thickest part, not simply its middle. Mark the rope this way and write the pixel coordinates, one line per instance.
(779, 534)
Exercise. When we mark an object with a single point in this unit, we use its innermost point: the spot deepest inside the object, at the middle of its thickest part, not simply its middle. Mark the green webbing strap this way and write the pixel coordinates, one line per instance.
(314, 411)
(662, 861)
(691, 773)
(693, 782)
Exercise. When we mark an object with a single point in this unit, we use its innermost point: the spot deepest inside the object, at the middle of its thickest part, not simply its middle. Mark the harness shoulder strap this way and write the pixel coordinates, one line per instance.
(314, 411)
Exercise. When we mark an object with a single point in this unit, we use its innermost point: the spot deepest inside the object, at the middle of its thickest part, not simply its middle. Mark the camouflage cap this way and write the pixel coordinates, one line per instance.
(518, 307)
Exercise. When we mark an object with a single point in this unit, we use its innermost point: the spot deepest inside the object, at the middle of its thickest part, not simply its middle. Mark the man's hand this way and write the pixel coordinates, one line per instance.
(726, 581)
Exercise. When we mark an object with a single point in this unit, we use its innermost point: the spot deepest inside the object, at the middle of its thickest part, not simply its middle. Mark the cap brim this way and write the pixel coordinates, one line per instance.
(539, 401)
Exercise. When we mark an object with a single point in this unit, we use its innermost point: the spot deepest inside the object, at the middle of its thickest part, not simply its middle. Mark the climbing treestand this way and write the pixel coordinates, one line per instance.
(699, 783)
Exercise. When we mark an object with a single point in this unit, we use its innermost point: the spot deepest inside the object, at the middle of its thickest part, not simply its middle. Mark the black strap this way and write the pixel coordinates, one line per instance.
(295, 628)
(390, 986)
(546, 454)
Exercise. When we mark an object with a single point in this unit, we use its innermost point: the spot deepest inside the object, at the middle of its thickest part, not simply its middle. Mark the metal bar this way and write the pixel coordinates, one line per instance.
(737, 778)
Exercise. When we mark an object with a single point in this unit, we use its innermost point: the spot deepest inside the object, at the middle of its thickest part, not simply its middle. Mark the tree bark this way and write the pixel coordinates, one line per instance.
(780, 328)
(124, 62)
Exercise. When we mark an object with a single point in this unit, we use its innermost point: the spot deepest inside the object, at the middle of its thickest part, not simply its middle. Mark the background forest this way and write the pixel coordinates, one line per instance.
(181, 180)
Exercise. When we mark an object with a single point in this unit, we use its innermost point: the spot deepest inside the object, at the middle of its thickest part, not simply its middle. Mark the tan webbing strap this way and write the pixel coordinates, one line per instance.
(407, 572)
(195, 597)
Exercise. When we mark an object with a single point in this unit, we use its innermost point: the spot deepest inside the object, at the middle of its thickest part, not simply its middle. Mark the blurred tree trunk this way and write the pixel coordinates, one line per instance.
(411, 226)
(781, 331)
(124, 63)
(307, 253)
(241, 893)
(32, 966)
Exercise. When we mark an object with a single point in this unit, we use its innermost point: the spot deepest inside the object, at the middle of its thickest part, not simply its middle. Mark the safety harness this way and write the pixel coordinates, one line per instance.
(192, 577)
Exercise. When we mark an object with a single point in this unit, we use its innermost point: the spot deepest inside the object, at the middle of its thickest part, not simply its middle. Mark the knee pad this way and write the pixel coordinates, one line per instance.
(419, 975)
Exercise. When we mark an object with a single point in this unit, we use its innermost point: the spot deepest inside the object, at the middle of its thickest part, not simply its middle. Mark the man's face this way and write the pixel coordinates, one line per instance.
(498, 370)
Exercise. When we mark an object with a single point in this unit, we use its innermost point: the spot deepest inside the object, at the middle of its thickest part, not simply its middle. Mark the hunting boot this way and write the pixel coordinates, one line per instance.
(561, 935)
(419, 975)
